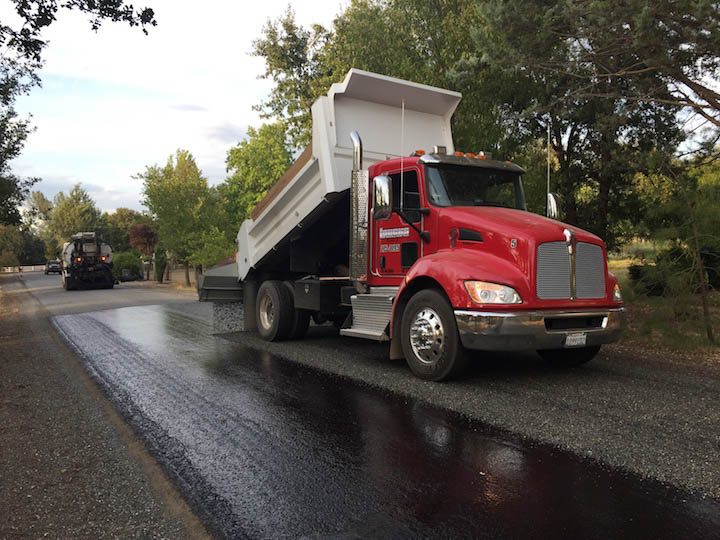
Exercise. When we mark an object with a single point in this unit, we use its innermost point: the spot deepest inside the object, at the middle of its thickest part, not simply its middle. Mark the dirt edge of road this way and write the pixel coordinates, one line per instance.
(20, 315)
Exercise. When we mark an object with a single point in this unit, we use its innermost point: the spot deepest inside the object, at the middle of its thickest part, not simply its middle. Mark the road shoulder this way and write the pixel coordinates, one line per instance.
(71, 467)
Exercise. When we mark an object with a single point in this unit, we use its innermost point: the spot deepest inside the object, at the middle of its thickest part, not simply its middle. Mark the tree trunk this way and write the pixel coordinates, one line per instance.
(187, 273)
(704, 285)
(168, 273)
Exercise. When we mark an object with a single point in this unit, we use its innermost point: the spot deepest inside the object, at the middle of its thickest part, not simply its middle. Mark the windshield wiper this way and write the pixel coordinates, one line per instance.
(489, 203)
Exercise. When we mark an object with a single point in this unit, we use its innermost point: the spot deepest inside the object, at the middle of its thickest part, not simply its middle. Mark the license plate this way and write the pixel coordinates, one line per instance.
(576, 340)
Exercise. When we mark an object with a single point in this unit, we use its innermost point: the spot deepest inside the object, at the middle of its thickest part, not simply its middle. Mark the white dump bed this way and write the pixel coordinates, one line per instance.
(370, 104)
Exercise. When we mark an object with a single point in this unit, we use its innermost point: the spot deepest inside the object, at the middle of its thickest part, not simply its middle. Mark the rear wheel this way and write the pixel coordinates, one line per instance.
(274, 311)
(569, 357)
(301, 317)
(430, 339)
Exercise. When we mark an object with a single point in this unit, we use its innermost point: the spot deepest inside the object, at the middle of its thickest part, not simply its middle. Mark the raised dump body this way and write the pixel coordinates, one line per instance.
(376, 106)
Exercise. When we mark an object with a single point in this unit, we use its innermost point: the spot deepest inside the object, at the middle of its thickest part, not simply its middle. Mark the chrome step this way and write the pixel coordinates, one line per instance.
(371, 315)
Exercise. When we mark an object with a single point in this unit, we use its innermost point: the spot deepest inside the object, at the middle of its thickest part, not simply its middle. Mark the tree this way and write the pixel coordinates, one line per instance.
(176, 196)
(508, 102)
(116, 226)
(681, 205)
(11, 245)
(37, 211)
(142, 238)
(212, 247)
(73, 213)
(598, 142)
(663, 52)
(254, 166)
(26, 42)
(14, 81)
(375, 36)
(292, 62)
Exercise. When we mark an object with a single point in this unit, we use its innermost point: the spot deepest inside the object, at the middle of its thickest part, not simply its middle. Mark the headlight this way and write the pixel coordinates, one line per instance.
(483, 292)
(617, 295)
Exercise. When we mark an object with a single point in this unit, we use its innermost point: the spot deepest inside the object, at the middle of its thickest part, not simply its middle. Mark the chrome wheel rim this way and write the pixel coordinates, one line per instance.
(267, 312)
(427, 336)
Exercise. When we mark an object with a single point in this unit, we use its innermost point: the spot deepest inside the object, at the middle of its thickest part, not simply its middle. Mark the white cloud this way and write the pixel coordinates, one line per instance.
(116, 101)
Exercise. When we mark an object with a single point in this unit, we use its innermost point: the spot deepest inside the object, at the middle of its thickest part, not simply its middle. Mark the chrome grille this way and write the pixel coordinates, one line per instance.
(553, 278)
(590, 273)
(553, 271)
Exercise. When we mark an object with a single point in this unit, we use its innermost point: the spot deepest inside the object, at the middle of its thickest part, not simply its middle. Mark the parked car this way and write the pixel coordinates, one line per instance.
(53, 267)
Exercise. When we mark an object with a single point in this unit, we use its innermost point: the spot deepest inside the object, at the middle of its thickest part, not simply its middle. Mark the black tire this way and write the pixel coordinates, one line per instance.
(445, 356)
(68, 284)
(569, 357)
(301, 317)
(274, 311)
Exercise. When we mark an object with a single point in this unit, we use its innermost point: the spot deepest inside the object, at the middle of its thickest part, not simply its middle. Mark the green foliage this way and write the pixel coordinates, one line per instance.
(126, 260)
(11, 245)
(374, 36)
(160, 263)
(254, 165)
(212, 246)
(176, 195)
(662, 52)
(116, 226)
(486, 51)
(33, 251)
(73, 213)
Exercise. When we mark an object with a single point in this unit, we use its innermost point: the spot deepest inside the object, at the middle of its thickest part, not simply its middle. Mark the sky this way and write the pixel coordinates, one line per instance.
(115, 101)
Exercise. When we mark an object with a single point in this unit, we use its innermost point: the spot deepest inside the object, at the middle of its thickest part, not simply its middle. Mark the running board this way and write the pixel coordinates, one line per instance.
(371, 315)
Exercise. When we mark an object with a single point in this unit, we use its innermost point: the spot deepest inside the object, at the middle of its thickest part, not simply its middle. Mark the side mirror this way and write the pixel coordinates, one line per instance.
(382, 197)
(553, 206)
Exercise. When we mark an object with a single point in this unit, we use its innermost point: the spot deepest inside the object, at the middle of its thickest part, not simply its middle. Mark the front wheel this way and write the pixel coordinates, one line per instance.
(430, 339)
(569, 357)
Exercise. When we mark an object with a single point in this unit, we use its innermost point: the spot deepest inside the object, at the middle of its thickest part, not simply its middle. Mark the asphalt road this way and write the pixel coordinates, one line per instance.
(351, 445)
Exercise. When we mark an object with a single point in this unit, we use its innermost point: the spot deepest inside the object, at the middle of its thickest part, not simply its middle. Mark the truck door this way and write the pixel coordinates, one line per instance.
(395, 244)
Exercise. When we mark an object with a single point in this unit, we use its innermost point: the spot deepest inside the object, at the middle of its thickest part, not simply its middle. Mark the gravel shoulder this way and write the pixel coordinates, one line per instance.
(70, 466)
(644, 413)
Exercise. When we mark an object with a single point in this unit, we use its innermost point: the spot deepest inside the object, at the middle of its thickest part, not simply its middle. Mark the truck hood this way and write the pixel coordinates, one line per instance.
(495, 223)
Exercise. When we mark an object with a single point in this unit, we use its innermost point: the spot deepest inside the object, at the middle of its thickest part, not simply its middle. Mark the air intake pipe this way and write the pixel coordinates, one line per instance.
(359, 189)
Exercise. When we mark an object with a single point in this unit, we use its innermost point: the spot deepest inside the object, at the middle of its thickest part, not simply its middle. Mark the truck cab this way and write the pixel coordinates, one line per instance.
(458, 225)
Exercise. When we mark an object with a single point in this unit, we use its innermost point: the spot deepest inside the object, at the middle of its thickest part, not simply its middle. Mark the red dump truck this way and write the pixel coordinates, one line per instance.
(429, 248)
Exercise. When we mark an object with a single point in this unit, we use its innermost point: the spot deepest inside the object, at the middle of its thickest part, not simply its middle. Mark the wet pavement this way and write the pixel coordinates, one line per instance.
(264, 447)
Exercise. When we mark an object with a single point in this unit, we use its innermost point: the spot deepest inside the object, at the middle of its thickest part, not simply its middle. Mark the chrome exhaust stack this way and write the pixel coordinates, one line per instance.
(359, 189)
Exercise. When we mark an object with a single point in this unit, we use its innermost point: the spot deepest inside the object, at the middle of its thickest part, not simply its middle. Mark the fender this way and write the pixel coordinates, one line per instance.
(447, 270)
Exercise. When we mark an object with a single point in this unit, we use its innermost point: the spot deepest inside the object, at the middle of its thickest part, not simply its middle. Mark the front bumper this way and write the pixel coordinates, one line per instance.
(525, 330)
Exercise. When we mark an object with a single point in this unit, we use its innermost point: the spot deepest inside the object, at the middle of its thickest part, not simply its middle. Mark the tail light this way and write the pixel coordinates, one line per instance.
(103, 258)
(78, 259)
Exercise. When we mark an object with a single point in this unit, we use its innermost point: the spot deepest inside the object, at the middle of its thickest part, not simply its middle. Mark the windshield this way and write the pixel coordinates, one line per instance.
(458, 185)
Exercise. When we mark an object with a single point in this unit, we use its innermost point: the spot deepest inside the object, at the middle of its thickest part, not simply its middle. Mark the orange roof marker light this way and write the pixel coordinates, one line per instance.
(458, 154)
(470, 155)
(419, 152)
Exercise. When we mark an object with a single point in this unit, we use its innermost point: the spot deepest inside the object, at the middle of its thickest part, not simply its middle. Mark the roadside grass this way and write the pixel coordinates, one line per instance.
(670, 323)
